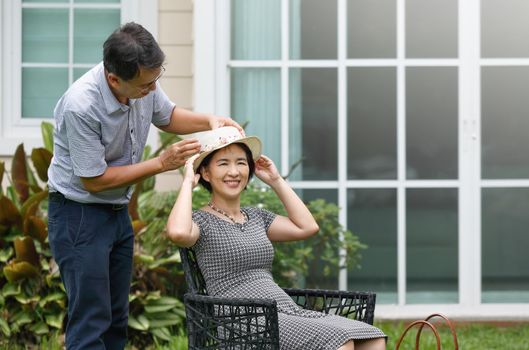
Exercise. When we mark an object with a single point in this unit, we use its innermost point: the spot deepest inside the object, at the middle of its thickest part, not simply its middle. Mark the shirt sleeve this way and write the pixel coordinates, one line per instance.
(163, 107)
(87, 153)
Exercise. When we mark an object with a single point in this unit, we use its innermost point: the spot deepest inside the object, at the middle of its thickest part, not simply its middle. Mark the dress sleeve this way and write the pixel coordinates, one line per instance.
(267, 217)
(202, 222)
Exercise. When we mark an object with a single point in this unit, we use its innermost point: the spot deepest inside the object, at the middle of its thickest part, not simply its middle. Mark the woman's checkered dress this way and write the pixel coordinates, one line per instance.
(236, 261)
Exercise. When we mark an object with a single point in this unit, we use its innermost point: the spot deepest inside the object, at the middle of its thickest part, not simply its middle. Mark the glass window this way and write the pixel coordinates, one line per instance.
(431, 28)
(256, 29)
(308, 40)
(371, 123)
(504, 259)
(372, 28)
(313, 123)
(372, 216)
(431, 123)
(41, 88)
(504, 122)
(49, 64)
(256, 103)
(89, 38)
(504, 28)
(45, 35)
(432, 246)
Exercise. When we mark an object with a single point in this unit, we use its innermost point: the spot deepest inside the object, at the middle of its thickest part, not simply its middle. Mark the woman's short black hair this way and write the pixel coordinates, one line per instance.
(130, 47)
(205, 163)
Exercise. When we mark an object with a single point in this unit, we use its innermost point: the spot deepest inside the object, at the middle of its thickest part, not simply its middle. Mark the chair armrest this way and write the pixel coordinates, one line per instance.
(230, 323)
(357, 305)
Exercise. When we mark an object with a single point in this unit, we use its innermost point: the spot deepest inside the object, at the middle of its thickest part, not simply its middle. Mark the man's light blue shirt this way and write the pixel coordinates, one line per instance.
(93, 131)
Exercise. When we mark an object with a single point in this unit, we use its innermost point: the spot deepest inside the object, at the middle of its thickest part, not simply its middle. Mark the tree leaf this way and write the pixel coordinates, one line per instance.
(6, 254)
(41, 158)
(55, 320)
(140, 323)
(36, 228)
(19, 173)
(25, 250)
(162, 333)
(46, 129)
(54, 297)
(10, 289)
(4, 326)
(2, 171)
(164, 319)
(22, 318)
(16, 271)
(162, 304)
(39, 328)
(9, 214)
(30, 206)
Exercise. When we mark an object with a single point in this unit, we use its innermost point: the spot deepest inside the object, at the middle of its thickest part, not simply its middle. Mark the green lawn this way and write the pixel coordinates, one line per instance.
(475, 336)
(471, 336)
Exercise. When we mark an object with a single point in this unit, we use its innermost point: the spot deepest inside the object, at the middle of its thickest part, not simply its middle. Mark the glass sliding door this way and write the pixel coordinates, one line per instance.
(504, 156)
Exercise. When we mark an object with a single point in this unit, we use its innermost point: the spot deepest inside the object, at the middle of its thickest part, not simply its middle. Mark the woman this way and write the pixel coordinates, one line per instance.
(233, 244)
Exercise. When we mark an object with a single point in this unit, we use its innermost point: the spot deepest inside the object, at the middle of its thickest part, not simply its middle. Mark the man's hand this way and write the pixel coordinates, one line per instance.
(217, 122)
(176, 155)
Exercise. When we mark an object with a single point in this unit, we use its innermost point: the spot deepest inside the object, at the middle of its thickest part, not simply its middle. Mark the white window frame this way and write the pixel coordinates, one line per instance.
(211, 93)
(13, 128)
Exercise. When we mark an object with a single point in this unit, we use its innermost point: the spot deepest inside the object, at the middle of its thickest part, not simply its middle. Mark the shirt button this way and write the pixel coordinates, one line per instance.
(131, 131)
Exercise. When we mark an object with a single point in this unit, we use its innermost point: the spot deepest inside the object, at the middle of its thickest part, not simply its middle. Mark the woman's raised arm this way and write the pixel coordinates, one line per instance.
(180, 227)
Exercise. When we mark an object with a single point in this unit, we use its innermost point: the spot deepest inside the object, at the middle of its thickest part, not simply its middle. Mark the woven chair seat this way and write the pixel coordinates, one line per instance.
(242, 323)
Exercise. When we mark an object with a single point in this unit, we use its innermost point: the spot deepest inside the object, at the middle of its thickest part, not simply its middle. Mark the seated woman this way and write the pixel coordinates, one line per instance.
(233, 244)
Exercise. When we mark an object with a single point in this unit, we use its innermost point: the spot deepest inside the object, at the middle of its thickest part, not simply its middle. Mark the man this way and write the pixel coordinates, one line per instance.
(101, 127)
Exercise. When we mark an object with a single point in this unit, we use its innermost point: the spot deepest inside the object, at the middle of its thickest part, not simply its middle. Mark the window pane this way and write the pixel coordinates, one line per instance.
(41, 89)
(256, 29)
(504, 28)
(431, 28)
(432, 246)
(372, 28)
(504, 259)
(78, 72)
(98, 1)
(89, 38)
(431, 123)
(313, 123)
(372, 216)
(372, 123)
(45, 35)
(504, 106)
(256, 100)
(48, 1)
(313, 29)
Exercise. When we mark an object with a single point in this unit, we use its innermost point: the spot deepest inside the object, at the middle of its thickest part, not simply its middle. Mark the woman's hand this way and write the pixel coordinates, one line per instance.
(189, 173)
(266, 170)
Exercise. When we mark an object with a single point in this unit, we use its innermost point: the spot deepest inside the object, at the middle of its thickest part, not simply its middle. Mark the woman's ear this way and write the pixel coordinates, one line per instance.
(204, 173)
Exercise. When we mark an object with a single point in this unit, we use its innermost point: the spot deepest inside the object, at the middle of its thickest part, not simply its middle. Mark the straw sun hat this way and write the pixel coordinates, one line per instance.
(215, 139)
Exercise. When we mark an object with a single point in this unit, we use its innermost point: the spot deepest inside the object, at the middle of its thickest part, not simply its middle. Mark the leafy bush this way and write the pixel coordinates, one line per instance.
(32, 297)
(304, 263)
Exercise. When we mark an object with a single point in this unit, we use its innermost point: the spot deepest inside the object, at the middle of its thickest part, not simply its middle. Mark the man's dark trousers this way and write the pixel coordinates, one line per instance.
(93, 246)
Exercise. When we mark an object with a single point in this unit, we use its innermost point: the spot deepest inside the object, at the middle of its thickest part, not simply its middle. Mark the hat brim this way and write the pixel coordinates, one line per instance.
(253, 143)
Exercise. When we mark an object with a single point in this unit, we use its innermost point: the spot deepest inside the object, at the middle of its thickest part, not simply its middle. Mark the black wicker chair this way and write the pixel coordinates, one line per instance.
(241, 323)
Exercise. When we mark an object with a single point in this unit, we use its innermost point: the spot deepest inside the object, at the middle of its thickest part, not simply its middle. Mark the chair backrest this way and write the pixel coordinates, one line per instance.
(194, 279)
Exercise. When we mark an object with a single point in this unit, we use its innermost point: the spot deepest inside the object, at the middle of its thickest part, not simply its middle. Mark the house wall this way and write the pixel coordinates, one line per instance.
(175, 37)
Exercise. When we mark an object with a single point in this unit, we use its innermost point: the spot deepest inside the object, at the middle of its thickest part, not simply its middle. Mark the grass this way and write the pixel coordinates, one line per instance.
(471, 336)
